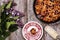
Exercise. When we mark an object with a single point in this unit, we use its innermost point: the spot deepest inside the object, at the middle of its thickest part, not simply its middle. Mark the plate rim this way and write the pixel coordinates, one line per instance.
(34, 22)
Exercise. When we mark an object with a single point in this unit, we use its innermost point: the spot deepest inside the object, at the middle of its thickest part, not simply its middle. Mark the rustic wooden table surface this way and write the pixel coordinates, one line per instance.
(26, 6)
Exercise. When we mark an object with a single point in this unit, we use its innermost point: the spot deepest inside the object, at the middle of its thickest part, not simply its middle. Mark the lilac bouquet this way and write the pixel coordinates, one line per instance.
(10, 19)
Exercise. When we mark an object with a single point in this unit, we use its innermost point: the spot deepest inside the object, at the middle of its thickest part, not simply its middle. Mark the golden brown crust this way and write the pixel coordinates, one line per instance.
(48, 9)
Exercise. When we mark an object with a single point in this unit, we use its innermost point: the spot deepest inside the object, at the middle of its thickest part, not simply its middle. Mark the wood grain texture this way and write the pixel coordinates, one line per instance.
(26, 6)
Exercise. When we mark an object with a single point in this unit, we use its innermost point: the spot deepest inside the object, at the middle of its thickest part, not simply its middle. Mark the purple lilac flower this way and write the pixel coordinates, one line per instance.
(19, 22)
(15, 13)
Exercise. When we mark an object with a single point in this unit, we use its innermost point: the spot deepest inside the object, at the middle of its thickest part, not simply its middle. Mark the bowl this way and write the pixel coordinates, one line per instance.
(32, 31)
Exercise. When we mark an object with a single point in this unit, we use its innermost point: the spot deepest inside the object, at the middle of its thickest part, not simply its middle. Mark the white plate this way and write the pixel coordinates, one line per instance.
(26, 31)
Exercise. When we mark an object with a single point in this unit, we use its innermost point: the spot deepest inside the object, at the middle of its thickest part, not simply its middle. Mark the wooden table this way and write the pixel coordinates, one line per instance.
(26, 6)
